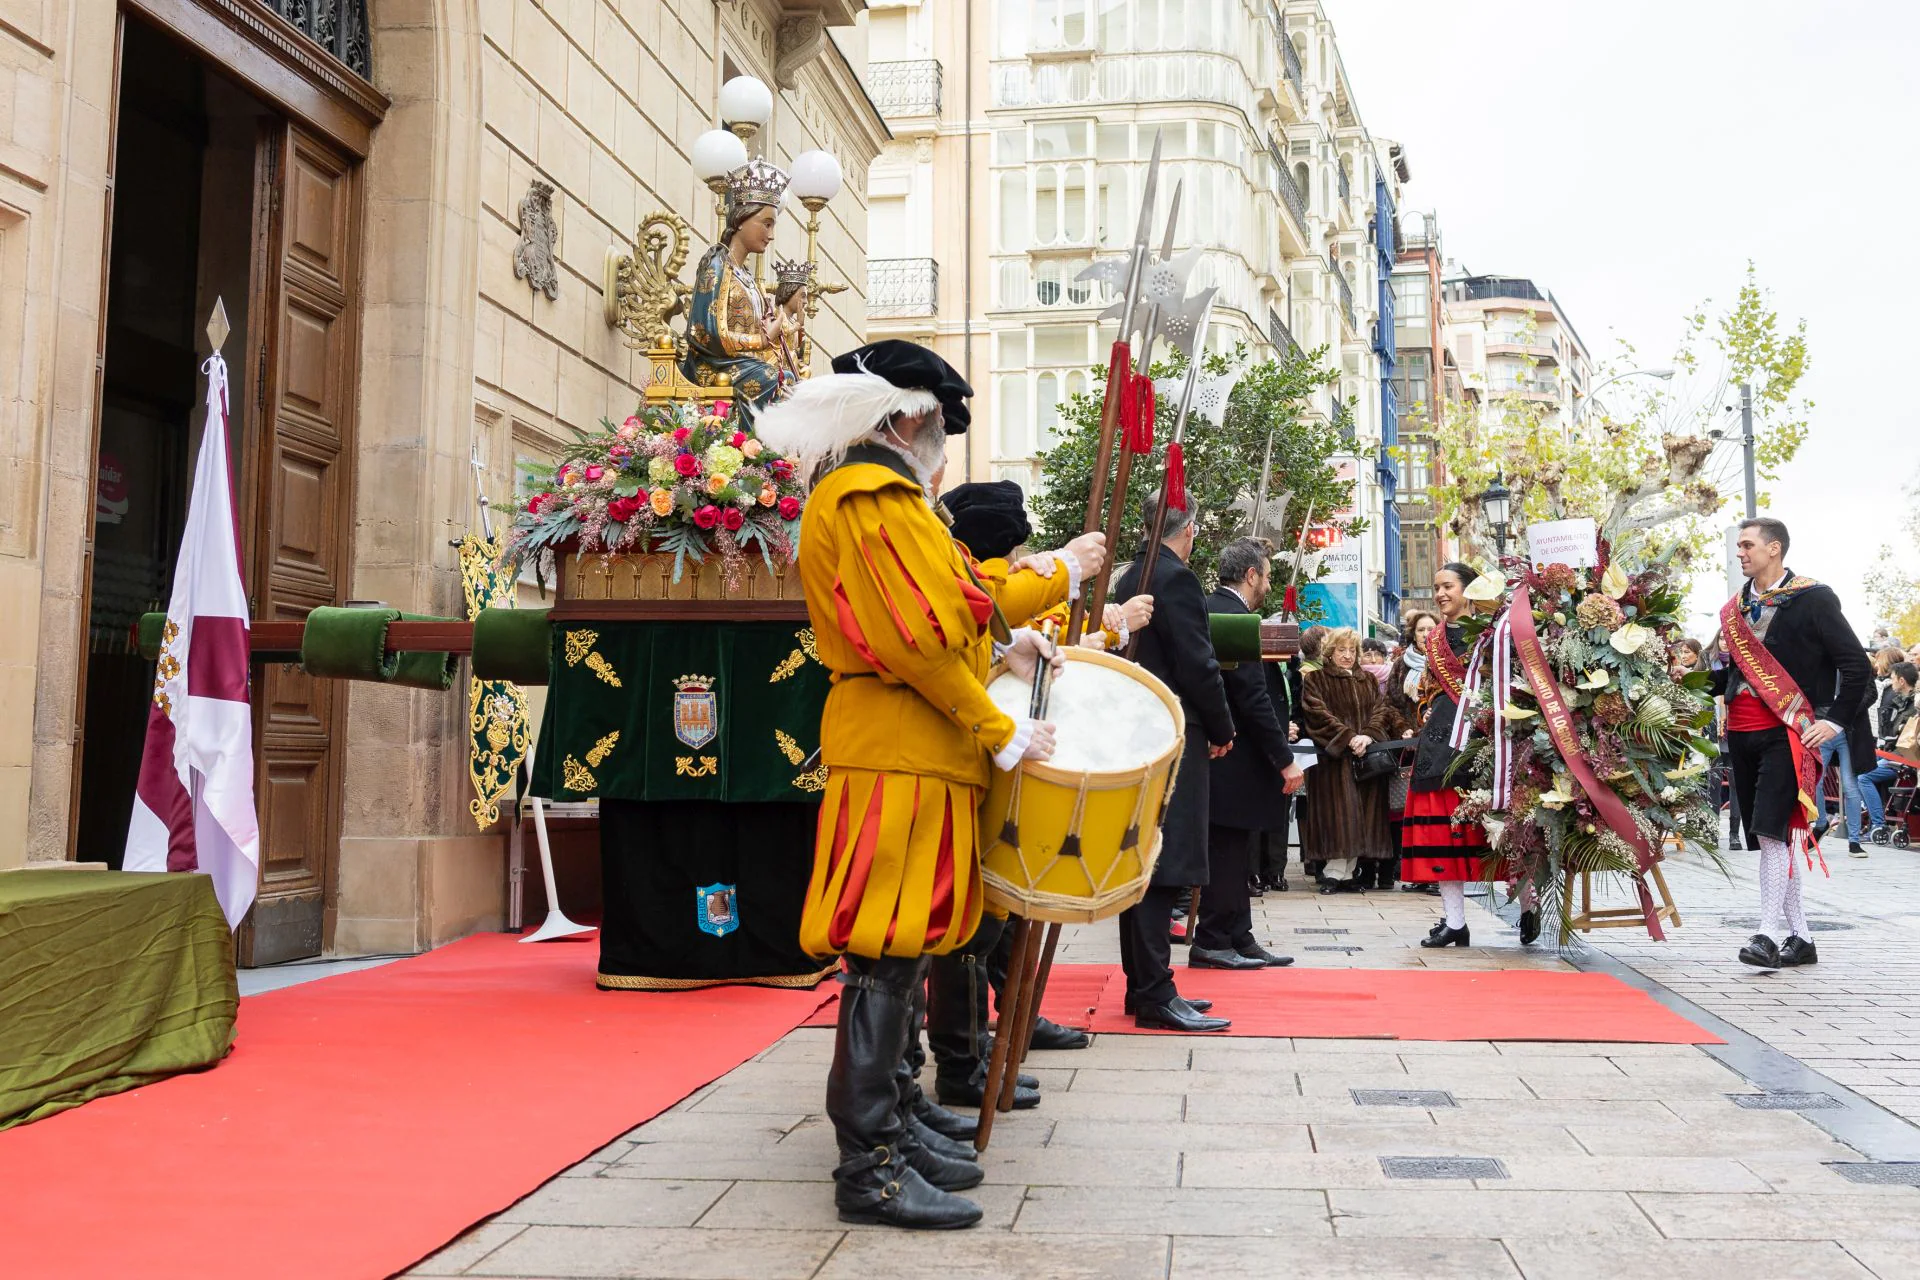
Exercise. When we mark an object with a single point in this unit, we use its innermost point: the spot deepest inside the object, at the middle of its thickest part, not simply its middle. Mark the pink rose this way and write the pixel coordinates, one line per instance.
(594, 472)
(722, 408)
(629, 429)
(533, 504)
(739, 439)
(789, 508)
(680, 434)
(624, 509)
(686, 464)
(733, 519)
(782, 468)
(619, 452)
(707, 517)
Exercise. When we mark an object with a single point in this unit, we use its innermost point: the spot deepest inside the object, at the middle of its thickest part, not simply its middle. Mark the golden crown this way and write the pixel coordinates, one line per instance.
(756, 182)
(799, 275)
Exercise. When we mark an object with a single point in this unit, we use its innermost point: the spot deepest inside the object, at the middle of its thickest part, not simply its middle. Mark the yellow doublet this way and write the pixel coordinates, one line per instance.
(909, 731)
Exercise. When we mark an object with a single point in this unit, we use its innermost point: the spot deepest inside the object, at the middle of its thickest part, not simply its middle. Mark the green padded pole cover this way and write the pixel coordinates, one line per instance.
(512, 644)
(1236, 636)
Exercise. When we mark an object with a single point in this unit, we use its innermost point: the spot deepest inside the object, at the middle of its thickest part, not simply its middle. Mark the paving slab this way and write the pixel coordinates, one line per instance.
(1447, 1211)
(976, 1255)
(1778, 1217)
(1190, 1210)
(1563, 1259)
(626, 1202)
(1217, 1258)
(660, 1253)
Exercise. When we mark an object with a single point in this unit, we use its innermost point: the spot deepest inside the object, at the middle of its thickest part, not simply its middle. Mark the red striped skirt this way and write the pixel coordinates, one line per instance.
(1433, 847)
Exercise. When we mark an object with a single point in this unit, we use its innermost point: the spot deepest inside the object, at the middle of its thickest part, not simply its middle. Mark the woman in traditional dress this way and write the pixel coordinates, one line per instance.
(733, 330)
(1434, 848)
(1346, 825)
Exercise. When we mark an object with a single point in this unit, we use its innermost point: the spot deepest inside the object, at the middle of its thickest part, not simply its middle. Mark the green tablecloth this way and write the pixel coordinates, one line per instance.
(108, 980)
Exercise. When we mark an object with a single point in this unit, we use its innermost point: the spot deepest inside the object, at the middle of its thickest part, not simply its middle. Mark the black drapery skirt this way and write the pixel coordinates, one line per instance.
(700, 893)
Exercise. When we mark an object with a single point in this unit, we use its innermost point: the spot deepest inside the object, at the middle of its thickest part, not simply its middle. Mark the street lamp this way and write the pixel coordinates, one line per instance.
(746, 104)
(717, 153)
(1497, 502)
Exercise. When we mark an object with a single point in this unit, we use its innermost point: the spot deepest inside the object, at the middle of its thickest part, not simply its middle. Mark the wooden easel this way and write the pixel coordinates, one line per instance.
(1586, 920)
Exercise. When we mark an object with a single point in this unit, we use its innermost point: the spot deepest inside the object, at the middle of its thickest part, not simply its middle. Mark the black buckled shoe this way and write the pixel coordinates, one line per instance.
(1760, 952)
(1202, 958)
(939, 1143)
(878, 1188)
(948, 1124)
(1446, 937)
(1264, 956)
(1529, 927)
(1798, 951)
(949, 1173)
(1177, 1015)
(1048, 1034)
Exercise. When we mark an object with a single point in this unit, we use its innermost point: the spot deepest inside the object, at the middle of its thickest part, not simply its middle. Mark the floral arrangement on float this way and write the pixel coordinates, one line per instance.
(671, 480)
(1590, 756)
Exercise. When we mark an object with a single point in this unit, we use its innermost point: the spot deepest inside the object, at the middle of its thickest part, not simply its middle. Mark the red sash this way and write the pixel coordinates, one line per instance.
(1769, 683)
(1558, 719)
(1446, 666)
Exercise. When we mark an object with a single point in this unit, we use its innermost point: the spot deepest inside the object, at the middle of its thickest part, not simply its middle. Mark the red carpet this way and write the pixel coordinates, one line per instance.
(362, 1121)
(1421, 1004)
(1073, 991)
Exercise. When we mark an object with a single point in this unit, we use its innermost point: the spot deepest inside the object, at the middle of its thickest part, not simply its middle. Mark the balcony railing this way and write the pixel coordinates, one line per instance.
(903, 287)
(1281, 335)
(1346, 293)
(905, 88)
(1290, 193)
(1524, 386)
(1476, 288)
(1296, 76)
(338, 26)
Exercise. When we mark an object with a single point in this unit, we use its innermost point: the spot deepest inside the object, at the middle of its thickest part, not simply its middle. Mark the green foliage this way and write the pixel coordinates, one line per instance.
(1894, 582)
(1222, 462)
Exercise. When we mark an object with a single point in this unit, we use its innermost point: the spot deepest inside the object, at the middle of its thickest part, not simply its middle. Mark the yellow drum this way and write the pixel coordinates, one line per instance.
(1074, 840)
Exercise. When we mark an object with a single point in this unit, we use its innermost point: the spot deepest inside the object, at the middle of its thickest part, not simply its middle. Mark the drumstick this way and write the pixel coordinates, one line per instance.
(1043, 676)
(997, 1061)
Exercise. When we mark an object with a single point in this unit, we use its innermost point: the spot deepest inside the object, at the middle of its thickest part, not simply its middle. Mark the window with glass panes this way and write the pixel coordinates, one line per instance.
(1413, 383)
(1416, 561)
(1416, 471)
(1036, 368)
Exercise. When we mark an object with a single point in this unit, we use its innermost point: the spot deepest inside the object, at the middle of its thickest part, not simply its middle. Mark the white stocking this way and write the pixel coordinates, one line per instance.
(1777, 884)
(1796, 911)
(1453, 902)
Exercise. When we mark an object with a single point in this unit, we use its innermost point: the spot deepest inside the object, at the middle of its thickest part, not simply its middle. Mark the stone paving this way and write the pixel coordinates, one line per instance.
(1187, 1156)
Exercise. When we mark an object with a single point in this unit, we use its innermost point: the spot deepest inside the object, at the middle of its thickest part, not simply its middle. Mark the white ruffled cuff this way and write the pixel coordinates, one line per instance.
(1007, 758)
(1073, 573)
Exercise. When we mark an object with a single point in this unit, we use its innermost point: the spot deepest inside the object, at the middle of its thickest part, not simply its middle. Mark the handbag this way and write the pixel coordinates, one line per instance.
(1376, 762)
(1397, 788)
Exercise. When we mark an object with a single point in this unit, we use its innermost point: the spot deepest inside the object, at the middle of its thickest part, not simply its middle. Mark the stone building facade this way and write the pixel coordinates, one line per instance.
(355, 192)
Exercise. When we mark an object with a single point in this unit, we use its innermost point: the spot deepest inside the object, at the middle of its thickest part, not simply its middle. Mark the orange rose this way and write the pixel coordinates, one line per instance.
(768, 495)
(752, 448)
(716, 483)
(662, 502)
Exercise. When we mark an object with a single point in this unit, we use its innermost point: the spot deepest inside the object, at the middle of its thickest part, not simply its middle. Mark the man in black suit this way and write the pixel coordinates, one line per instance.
(1799, 623)
(1178, 648)
(1270, 844)
(1242, 798)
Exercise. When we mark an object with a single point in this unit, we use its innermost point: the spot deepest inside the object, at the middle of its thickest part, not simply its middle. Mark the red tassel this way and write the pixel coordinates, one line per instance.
(1290, 600)
(1176, 477)
(1140, 411)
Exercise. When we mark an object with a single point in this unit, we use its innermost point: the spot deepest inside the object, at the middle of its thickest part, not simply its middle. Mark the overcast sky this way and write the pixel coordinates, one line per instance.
(1632, 156)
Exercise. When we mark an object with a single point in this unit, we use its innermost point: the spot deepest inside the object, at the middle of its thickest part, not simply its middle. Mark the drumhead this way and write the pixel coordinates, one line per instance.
(1106, 720)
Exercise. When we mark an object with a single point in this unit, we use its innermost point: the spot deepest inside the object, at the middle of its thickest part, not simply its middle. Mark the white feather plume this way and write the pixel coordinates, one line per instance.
(830, 411)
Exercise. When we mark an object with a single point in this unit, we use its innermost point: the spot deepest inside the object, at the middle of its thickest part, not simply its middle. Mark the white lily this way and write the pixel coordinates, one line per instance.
(1630, 638)
(1559, 797)
(1614, 582)
(1488, 586)
(1598, 678)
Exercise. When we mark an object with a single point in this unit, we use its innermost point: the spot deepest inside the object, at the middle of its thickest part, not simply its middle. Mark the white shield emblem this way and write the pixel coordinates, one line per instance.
(696, 714)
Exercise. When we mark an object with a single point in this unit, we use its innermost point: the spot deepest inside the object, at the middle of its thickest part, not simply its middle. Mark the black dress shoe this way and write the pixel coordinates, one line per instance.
(1819, 829)
(1177, 1015)
(1201, 958)
(1265, 957)
(1798, 951)
(1448, 938)
(1130, 1006)
(949, 1173)
(969, 1093)
(880, 1189)
(1439, 927)
(1048, 1034)
(1760, 952)
(1529, 927)
(1280, 885)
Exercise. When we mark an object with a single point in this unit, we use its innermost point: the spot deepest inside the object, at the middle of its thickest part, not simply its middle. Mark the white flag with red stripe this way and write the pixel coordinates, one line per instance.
(193, 808)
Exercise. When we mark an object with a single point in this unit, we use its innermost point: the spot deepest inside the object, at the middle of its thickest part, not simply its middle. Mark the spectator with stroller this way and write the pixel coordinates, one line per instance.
(1895, 713)
(1883, 664)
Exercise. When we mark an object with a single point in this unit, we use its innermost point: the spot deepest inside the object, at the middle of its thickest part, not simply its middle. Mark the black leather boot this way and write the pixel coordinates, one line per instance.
(876, 1181)
(957, 987)
(906, 1081)
(948, 1124)
(1529, 927)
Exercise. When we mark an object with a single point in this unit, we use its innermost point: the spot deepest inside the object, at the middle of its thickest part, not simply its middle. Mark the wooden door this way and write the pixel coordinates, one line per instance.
(303, 373)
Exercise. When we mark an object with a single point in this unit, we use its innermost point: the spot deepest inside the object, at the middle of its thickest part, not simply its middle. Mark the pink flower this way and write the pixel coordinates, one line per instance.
(624, 509)
(722, 408)
(739, 439)
(782, 468)
(680, 434)
(630, 429)
(752, 448)
(707, 517)
(563, 475)
(533, 504)
(594, 472)
(686, 464)
(733, 519)
(789, 508)
(619, 452)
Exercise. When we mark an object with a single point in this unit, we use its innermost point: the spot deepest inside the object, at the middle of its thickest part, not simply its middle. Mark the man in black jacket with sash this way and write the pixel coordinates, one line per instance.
(1794, 677)
(1243, 799)
(1178, 648)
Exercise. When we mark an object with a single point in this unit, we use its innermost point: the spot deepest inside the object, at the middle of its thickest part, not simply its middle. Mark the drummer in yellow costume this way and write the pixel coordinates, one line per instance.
(909, 737)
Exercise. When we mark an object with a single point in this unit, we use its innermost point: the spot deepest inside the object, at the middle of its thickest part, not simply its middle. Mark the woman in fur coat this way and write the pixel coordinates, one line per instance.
(1344, 714)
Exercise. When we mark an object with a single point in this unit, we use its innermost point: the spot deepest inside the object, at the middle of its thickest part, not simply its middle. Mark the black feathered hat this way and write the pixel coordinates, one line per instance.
(989, 517)
(910, 365)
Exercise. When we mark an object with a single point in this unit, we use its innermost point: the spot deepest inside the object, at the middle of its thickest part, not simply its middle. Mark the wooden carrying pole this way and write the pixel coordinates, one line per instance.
(997, 1060)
